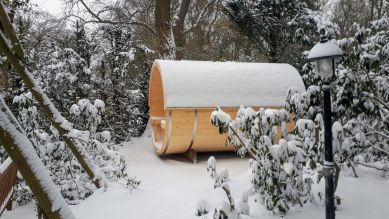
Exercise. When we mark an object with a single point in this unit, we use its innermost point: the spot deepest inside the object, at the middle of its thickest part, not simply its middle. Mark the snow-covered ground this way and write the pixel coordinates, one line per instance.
(171, 187)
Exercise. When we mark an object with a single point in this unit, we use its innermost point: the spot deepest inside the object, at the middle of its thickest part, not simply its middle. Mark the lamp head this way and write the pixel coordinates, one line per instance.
(324, 54)
(324, 67)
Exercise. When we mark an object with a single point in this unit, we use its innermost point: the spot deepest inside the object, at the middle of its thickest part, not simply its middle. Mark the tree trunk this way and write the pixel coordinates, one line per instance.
(162, 26)
(273, 53)
(372, 6)
(226, 189)
(4, 79)
(178, 29)
(15, 56)
(379, 8)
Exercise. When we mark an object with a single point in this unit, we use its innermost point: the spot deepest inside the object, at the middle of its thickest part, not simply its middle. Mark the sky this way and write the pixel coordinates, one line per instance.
(52, 6)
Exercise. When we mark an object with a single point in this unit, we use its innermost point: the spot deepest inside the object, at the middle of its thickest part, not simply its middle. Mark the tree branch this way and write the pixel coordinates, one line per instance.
(229, 196)
(199, 18)
(252, 153)
(380, 149)
(385, 169)
(352, 167)
(105, 21)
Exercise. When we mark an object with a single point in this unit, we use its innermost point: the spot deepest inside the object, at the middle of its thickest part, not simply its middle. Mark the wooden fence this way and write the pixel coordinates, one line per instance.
(8, 172)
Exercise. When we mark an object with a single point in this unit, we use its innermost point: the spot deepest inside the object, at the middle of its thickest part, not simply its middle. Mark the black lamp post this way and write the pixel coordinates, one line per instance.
(324, 54)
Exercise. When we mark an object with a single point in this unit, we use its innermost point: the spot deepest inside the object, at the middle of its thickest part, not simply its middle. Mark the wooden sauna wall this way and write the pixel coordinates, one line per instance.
(158, 133)
(181, 130)
(156, 98)
(207, 137)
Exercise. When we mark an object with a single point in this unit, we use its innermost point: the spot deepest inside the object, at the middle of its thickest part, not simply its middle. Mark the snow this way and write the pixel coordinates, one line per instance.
(303, 124)
(5, 165)
(337, 132)
(75, 110)
(173, 188)
(199, 84)
(221, 116)
(212, 163)
(130, 55)
(327, 49)
(66, 125)
(99, 104)
(104, 136)
(79, 134)
(83, 103)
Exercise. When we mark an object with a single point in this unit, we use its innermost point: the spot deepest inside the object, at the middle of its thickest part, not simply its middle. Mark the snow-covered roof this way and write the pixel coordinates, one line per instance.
(327, 49)
(204, 84)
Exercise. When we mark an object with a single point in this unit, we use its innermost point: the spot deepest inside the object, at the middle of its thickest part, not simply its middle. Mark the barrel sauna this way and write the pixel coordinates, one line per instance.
(183, 94)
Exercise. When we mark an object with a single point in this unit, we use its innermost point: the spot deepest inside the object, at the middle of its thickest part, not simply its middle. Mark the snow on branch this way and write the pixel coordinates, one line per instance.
(276, 168)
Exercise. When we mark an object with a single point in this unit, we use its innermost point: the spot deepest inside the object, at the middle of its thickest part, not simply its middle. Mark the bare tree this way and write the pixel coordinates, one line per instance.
(162, 26)
(362, 12)
(348, 12)
(169, 25)
(178, 28)
(378, 9)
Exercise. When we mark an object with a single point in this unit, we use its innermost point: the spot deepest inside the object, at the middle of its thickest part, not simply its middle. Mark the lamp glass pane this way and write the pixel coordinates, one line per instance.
(324, 68)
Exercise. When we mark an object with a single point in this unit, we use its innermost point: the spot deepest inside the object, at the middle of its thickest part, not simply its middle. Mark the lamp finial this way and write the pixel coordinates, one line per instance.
(323, 35)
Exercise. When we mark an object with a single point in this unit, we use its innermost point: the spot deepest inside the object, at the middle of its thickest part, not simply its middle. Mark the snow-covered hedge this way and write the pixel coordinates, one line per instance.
(277, 169)
(64, 169)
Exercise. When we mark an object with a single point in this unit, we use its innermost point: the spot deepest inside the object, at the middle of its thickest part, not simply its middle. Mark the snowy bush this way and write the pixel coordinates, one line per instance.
(64, 76)
(360, 110)
(114, 69)
(281, 29)
(123, 67)
(277, 169)
(231, 209)
(64, 169)
(361, 96)
(87, 116)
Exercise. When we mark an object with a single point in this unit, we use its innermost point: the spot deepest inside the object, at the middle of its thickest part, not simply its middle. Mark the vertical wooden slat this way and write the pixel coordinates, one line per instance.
(169, 131)
(194, 129)
(7, 180)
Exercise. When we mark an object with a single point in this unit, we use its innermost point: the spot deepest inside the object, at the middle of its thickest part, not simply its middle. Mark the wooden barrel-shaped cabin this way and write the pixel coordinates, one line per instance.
(183, 94)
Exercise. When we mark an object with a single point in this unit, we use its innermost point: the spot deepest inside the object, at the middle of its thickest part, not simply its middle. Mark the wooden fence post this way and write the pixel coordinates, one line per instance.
(8, 172)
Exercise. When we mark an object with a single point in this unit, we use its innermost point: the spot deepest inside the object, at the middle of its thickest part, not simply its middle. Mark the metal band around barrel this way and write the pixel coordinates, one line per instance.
(194, 129)
(169, 131)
